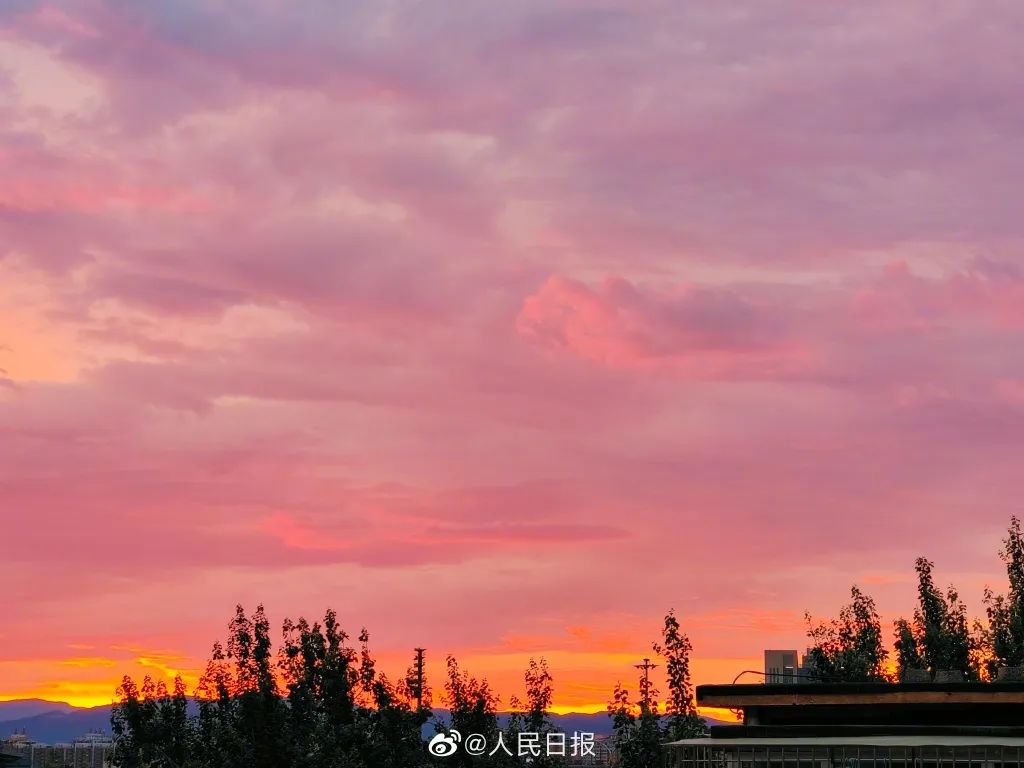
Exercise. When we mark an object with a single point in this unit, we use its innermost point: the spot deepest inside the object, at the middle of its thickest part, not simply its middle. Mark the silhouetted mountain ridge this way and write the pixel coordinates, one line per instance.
(13, 710)
(55, 722)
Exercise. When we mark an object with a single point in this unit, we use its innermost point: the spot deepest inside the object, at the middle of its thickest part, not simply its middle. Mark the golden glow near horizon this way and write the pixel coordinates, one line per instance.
(81, 697)
(88, 682)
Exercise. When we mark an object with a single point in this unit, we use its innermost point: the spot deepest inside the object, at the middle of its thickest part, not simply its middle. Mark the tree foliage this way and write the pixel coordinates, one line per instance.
(849, 648)
(473, 708)
(151, 725)
(639, 729)
(533, 716)
(636, 730)
(681, 718)
(941, 630)
(907, 655)
(318, 702)
(1005, 633)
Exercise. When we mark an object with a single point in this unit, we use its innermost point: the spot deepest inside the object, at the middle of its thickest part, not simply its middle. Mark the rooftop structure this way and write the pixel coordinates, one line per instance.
(851, 725)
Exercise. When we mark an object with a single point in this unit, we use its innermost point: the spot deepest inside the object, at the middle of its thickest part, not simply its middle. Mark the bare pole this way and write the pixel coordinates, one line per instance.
(419, 676)
(645, 685)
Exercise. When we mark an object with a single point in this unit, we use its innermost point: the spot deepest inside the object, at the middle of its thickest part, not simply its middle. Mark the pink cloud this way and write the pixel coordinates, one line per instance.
(707, 333)
(341, 319)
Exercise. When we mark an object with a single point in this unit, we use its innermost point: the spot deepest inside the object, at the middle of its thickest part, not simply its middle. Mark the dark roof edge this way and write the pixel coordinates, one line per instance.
(810, 689)
(726, 732)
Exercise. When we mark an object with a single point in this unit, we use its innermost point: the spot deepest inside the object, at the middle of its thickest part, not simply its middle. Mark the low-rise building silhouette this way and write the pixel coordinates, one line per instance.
(858, 725)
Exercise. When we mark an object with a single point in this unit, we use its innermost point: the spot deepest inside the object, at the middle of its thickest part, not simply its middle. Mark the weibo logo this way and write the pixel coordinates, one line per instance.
(444, 744)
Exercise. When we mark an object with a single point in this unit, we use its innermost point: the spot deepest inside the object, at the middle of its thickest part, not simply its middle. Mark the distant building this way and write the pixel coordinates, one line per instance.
(94, 737)
(787, 667)
(604, 755)
(806, 671)
(780, 666)
(90, 751)
(20, 739)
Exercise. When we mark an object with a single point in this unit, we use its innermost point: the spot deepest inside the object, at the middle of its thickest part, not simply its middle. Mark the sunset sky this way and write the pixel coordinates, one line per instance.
(500, 327)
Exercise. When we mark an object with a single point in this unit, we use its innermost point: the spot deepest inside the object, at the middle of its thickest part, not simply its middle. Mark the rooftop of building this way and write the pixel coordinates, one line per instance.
(901, 711)
(920, 740)
(742, 695)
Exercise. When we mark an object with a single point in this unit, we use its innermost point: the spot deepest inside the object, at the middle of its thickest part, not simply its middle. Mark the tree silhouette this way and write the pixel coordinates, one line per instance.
(532, 717)
(151, 726)
(473, 709)
(315, 703)
(636, 730)
(682, 719)
(907, 655)
(1005, 634)
(850, 648)
(940, 625)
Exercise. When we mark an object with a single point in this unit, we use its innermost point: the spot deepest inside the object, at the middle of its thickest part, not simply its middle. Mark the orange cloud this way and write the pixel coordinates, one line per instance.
(32, 347)
(88, 681)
